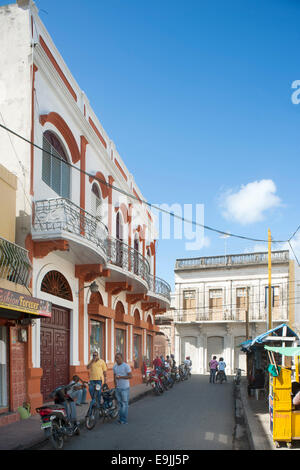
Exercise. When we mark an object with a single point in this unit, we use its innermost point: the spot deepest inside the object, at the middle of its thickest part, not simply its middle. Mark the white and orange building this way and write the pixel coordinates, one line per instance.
(92, 248)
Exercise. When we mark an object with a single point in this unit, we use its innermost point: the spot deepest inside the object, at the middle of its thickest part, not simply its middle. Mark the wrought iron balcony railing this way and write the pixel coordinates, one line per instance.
(232, 260)
(127, 258)
(15, 265)
(160, 287)
(63, 215)
(219, 315)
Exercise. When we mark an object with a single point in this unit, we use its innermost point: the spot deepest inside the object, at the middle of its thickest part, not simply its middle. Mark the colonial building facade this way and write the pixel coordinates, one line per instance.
(219, 300)
(91, 246)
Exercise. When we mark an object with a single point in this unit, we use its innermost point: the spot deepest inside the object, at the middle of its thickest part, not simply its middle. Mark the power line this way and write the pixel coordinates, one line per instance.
(125, 193)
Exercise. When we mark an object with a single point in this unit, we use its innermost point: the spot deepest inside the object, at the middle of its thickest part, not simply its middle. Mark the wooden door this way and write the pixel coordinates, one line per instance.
(55, 345)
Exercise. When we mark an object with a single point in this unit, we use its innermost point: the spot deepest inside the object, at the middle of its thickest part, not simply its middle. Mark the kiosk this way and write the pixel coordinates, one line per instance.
(284, 417)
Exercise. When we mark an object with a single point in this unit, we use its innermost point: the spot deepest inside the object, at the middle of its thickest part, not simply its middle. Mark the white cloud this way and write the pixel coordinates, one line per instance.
(249, 203)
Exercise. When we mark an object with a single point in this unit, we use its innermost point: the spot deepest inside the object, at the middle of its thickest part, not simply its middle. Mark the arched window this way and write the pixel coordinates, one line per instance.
(56, 284)
(96, 202)
(55, 172)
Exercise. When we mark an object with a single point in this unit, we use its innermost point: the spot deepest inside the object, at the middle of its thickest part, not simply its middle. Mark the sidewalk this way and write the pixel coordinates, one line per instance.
(27, 433)
(257, 420)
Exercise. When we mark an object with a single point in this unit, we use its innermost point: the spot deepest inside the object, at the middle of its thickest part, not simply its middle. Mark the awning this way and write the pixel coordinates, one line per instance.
(10, 300)
(275, 334)
(284, 351)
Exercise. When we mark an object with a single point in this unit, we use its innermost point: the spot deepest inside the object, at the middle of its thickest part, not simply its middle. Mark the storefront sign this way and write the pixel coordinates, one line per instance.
(23, 303)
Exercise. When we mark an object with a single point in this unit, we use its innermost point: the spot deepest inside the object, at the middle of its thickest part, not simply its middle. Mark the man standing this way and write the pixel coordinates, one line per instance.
(213, 365)
(122, 375)
(222, 367)
(97, 368)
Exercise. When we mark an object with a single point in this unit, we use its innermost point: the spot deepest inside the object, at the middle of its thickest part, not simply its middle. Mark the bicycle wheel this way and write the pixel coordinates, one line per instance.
(91, 417)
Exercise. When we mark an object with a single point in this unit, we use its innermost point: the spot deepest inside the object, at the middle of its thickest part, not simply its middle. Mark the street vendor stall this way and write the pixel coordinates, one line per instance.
(284, 415)
(257, 356)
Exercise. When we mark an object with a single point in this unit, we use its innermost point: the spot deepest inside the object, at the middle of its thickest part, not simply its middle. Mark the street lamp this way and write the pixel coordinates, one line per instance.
(93, 288)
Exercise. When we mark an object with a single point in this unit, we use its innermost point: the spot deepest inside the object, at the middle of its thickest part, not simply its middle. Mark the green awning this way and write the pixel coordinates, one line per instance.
(284, 351)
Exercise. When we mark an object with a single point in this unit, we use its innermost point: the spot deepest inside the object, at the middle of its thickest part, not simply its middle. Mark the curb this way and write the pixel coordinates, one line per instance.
(258, 438)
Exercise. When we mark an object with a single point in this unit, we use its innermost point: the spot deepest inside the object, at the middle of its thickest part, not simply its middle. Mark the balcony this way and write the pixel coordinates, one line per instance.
(231, 260)
(89, 243)
(15, 265)
(159, 290)
(127, 264)
(220, 315)
(60, 218)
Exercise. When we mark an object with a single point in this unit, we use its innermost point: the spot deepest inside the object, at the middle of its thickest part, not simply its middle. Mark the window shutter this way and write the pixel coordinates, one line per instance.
(46, 163)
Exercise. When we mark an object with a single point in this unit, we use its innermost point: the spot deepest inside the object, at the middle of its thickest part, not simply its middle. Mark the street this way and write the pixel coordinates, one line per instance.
(193, 415)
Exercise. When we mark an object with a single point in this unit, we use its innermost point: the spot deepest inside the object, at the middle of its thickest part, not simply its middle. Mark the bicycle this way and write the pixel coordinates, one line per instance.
(94, 407)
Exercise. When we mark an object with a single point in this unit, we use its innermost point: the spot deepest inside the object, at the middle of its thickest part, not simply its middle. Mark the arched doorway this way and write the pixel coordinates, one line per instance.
(55, 335)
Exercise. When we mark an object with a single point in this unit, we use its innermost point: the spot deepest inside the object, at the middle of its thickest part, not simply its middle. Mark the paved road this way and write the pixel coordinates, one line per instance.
(192, 415)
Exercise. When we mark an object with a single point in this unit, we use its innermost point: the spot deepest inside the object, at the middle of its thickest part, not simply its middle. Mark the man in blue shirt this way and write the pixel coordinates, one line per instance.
(122, 375)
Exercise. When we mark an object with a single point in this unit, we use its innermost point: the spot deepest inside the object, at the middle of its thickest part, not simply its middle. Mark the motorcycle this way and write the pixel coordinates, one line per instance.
(155, 383)
(221, 376)
(163, 379)
(56, 419)
(109, 405)
(175, 374)
(183, 372)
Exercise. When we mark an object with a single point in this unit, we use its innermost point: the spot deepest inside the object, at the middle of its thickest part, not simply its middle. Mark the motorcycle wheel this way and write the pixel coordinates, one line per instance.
(90, 419)
(156, 390)
(56, 436)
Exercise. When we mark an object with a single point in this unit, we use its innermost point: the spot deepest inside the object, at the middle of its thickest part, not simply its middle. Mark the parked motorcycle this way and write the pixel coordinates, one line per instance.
(175, 374)
(56, 419)
(182, 372)
(155, 382)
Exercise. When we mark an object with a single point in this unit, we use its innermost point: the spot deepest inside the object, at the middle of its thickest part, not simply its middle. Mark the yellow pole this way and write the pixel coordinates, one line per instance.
(270, 278)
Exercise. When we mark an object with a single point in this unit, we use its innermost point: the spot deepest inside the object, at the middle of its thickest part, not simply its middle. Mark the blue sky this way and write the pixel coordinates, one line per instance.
(197, 97)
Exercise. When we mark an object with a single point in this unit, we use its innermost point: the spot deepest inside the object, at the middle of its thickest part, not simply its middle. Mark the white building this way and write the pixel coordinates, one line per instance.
(212, 295)
(76, 227)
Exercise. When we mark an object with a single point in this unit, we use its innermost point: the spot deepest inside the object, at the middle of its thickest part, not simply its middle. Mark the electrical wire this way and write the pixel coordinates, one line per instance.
(152, 206)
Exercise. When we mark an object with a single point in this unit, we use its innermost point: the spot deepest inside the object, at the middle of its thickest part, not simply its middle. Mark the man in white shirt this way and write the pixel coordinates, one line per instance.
(122, 375)
(222, 367)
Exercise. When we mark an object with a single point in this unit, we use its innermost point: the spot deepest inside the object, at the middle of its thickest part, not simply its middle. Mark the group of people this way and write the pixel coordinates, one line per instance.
(215, 368)
(77, 389)
(169, 361)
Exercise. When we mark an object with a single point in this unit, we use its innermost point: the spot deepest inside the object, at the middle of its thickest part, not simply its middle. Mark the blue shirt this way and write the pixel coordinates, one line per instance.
(222, 365)
(122, 370)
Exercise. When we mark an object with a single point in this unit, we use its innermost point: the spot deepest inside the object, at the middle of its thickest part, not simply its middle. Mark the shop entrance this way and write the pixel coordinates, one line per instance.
(55, 346)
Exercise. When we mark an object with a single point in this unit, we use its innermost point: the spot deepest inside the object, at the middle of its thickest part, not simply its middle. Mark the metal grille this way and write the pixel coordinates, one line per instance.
(63, 215)
(15, 265)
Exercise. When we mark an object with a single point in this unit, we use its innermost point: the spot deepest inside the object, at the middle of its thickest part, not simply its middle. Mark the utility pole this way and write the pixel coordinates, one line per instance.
(270, 279)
